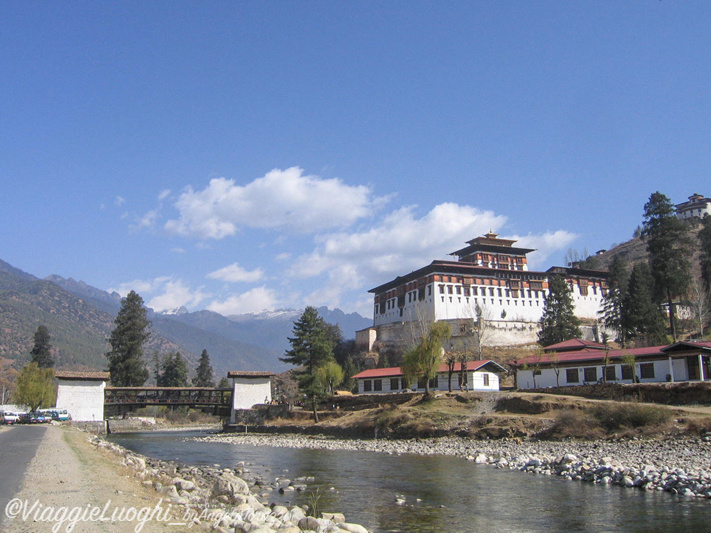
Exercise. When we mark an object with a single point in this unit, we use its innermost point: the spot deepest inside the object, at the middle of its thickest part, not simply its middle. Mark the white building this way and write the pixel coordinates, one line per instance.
(481, 376)
(249, 388)
(490, 274)
(695, 207)
(82, 394)
(578, 362)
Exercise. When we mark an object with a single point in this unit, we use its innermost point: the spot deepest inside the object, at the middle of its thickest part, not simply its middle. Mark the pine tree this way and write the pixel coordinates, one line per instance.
(644, 320)
(558, 322)
(174, 371)
(204, 372)
(613, 309)
(42, 351)
(311, 347)
(705, 256)
(669, 250)
(131, 330)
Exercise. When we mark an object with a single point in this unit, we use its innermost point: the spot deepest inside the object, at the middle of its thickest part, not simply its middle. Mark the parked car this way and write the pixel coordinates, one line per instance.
(33, 418)
(39, 418)
(56, 414)
(61, 415)
(7, 417)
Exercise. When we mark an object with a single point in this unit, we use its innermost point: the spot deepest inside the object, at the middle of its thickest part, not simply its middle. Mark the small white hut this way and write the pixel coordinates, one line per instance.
(82, 394)
(249, 388)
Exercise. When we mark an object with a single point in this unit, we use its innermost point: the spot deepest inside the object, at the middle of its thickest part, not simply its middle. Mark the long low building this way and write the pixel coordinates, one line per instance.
(580, 362)
(480, 376)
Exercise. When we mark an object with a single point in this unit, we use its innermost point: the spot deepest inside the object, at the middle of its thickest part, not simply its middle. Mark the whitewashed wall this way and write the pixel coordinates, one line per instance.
(83, 399)
(247, 392)
(475, 381)
(547, 377)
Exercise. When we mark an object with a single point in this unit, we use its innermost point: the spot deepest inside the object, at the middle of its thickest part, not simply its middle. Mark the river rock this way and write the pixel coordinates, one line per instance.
(334, 517)
(352, 528)
(184, 484)
(309, 523)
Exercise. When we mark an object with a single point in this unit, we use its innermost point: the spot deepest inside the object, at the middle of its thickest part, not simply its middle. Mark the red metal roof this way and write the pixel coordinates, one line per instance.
(574, 344)
(588, 355)
(396, 371)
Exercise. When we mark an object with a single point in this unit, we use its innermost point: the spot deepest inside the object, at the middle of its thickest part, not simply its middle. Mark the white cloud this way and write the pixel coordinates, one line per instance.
(400, 243)
(163, 293)
(146, 221)
(163, 195)
(252, 301)
(284, 199)
(174, 294)
(119, 201)
(545, 245)
(234, 273)
(140, 286)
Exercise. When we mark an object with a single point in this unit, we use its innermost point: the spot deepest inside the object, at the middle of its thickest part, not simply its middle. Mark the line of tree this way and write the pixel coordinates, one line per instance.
(670, 248)
(126, 362)
(641, 304)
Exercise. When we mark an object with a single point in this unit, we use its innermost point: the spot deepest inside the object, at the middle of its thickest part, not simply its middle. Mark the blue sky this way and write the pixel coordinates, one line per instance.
(240, 156)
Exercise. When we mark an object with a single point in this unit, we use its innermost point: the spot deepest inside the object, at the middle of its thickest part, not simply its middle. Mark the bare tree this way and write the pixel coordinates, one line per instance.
(699, 303)
(418, 324)
(554, 359)
(481, 329)
(450, 358)
(534, 365)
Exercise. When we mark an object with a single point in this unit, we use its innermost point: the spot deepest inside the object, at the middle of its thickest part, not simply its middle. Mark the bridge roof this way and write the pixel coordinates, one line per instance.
(163, 388)
(250, 374)
(66, 374)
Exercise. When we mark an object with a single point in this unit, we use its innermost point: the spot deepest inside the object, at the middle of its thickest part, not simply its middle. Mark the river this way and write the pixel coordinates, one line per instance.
(442, 494)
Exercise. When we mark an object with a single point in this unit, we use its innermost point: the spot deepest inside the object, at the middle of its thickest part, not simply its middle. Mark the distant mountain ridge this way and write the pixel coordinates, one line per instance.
(80, 318)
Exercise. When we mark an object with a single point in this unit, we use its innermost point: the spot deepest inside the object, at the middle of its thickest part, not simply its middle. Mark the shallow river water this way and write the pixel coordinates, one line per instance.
(442, 494)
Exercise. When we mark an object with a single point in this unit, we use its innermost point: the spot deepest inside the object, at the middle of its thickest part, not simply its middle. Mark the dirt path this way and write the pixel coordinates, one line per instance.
(69, 472)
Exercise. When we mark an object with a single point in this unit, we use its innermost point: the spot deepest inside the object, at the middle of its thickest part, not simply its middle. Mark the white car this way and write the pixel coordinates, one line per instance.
(8, 418)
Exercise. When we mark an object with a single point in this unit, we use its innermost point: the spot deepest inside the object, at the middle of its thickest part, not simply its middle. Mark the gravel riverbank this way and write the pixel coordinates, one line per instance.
(225, 499)
(678, 466)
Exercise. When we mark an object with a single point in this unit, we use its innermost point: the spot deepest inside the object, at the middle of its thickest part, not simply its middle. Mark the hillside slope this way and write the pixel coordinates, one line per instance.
(80, 324)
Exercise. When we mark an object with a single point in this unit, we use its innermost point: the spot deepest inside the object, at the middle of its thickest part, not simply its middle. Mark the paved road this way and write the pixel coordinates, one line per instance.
(18, 445)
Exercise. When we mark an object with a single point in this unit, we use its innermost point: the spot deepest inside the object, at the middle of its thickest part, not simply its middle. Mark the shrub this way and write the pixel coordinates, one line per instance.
(574, 424)
(630, 415)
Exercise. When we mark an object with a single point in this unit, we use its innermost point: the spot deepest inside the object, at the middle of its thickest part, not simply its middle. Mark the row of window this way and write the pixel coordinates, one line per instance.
(376, 385)
(590, 374)
(482, 291)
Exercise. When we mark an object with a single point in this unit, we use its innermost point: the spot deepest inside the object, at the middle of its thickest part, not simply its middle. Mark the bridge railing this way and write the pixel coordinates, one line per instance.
(197, 396)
